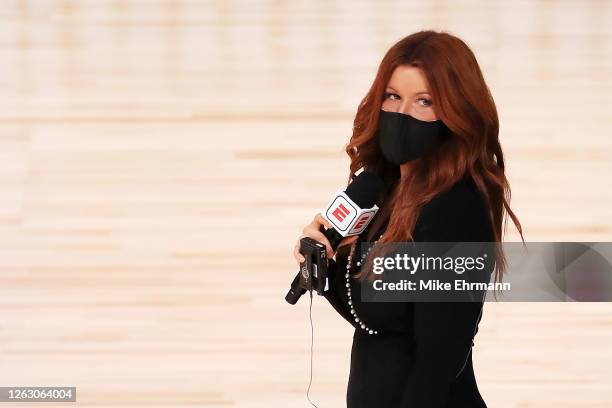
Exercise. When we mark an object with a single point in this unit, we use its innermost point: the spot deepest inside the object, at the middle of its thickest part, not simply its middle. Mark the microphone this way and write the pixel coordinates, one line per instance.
(349, 212)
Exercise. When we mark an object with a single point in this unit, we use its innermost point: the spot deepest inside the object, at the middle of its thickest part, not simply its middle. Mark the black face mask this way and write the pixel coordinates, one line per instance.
(403, 138)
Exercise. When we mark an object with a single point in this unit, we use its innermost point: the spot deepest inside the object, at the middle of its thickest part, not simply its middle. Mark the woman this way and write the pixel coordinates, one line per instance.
(428, 126)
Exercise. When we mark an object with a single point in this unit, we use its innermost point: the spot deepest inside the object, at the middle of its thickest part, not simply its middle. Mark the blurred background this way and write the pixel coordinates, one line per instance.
(158, 160)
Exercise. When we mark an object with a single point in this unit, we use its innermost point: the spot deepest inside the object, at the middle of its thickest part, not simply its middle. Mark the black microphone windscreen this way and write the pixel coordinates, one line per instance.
(365, 189)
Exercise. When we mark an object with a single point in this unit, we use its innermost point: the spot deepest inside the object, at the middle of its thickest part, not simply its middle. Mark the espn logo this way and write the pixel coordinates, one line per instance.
(346, 217)
(340, 213)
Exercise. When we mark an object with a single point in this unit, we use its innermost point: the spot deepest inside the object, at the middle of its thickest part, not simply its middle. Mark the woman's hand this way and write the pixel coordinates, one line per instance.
(313, 231)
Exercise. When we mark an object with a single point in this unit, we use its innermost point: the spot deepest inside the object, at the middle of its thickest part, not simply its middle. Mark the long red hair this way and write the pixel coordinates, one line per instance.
(462, 100)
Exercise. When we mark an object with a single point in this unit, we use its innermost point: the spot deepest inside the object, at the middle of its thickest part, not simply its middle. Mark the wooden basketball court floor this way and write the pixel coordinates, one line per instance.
(159, 159)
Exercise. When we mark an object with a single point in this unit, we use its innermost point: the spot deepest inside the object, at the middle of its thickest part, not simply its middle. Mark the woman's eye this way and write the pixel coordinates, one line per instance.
(388, 94)
(427, 101)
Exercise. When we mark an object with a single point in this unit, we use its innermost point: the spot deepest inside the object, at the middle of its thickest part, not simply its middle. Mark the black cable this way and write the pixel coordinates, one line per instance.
(311, 352)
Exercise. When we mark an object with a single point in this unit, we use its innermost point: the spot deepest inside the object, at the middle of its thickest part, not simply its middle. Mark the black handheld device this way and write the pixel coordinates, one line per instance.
(313, 271)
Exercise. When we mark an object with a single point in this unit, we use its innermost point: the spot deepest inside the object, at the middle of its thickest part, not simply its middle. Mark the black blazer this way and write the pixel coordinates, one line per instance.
(423, 359)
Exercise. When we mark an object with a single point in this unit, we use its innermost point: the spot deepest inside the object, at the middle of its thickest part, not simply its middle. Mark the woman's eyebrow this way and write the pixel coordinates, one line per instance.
(418, 93)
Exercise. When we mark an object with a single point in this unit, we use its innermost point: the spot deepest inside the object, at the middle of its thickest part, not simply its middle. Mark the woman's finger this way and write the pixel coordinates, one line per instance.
(297, 254)
(321, 220)
(318, 236)
(348, 240)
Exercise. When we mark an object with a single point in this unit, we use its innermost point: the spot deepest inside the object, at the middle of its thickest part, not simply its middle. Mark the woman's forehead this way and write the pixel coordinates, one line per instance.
(408, 79)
